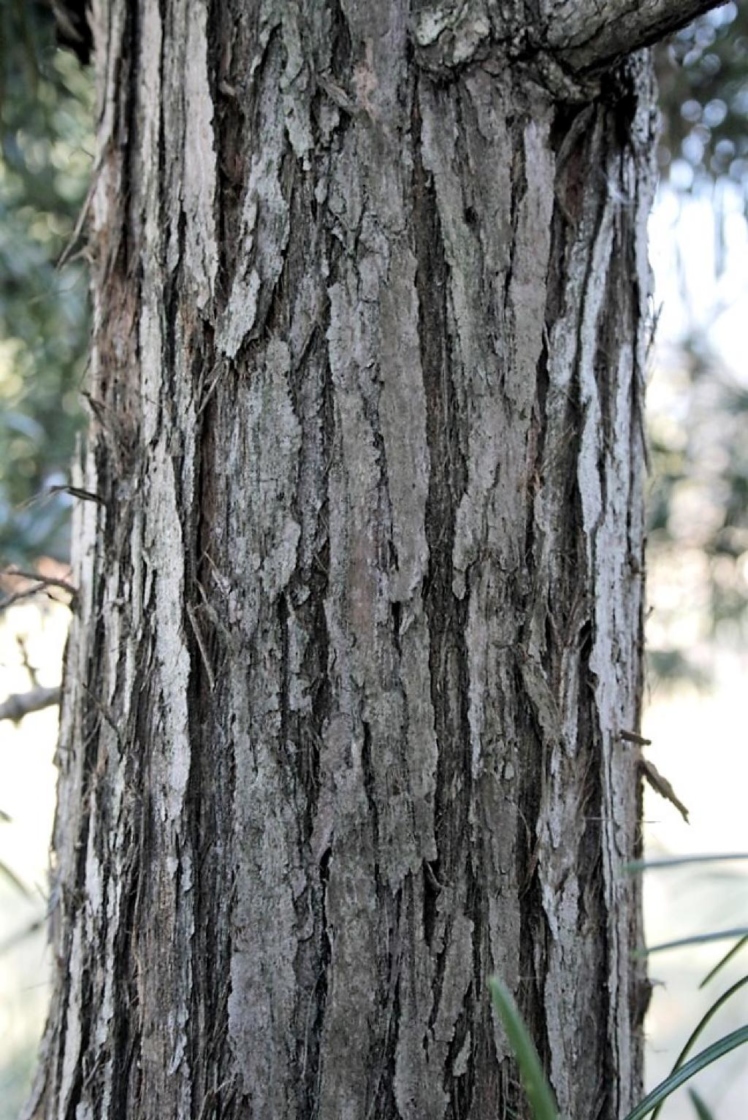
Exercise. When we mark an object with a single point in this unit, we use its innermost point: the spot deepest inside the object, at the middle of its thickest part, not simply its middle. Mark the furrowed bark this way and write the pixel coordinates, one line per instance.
(360, 611)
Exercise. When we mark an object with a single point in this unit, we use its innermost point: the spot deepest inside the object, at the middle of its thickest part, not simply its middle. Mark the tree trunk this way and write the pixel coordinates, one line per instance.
(360, 611)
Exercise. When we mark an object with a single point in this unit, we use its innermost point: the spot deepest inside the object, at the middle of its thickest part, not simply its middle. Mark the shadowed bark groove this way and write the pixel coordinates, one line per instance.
(360, 614)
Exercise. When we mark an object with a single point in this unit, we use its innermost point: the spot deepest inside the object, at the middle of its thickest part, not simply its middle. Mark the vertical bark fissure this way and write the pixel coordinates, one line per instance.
(446, 614)
(211, 777)
(312, 1039)
(447, 620)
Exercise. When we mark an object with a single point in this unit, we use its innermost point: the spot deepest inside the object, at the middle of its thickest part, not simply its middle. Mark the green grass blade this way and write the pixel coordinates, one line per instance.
(727, 957)
(695, 939)
(539, 1094)
(700, 1108)
(706, 1017)
(712, 1054)
(680, 861)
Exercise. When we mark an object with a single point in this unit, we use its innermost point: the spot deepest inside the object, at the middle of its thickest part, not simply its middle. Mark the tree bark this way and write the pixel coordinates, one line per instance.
(590, 34)
(360, 610)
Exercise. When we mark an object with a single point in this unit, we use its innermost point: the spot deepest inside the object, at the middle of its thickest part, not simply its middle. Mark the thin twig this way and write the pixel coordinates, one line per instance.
(47, 581)
(662, 786)
(40, 583)
(30, 669)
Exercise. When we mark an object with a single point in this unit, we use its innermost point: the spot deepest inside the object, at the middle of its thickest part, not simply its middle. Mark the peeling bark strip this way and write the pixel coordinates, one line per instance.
(360, 609)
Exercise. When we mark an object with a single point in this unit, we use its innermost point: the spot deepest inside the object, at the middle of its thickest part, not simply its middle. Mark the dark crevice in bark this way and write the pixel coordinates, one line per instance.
(620, 92)
(309, 1047)
(457, 862)
(163, 159)
(315, 669)
(219, 17)
(539, 424)
(311, 394)
(447, 615)
(107, 483)
(239, 121)
(310, 585)
(396, 613)
(608, 342)
(483, 1092)
(91, 717)
(518, 181)
(129, 104)
(512, 1095)
(440, 965)
(275, 304)
(532, 919)
(115, 393)
(370, 789)
(170, 359)
(571, 136)
(381, 1102)
(606, 1095)
(341, 47)
(465, 119)
(126, 1037)
(284, 681)
(592, 905)
(86, 1067)
(74, 1096)
(210, 785)
(431, 891)
(466, 1091)
(461, 1090)
(230, 125)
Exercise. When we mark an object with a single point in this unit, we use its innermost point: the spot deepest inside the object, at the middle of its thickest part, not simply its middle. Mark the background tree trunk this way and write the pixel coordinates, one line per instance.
(360, 618)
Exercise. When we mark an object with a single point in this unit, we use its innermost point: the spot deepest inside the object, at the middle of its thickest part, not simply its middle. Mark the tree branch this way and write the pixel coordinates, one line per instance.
(23, 703)
(38, 583)
(588, 35)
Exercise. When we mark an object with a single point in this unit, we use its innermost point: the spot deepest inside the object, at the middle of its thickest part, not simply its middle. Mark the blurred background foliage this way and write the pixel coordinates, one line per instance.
(702, 74)
(698, 513)
(46, 144)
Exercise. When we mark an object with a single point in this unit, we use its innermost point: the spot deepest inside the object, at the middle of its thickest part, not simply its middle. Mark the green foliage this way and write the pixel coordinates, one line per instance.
(739, 933)
(678, 1077)
(534, 1081)
(682, 861)
(699, 1028)
(45, 127)
(702, 1112)
(733, 952)
(538, 1090)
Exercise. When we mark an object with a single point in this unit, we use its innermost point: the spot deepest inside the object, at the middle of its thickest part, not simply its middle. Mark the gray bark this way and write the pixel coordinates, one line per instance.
(588, 34)
(359, 621)
(569, 43)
